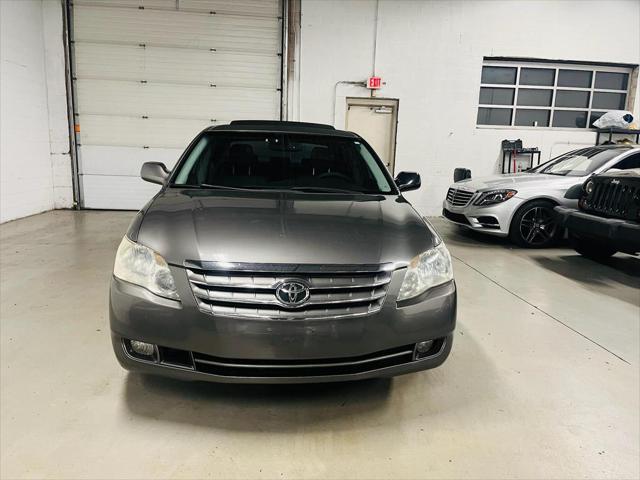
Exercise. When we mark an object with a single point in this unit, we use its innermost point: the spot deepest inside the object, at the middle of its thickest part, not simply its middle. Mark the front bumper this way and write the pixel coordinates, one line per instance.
(261, 350)
(201, 367)
(624, 235)
(491, 219)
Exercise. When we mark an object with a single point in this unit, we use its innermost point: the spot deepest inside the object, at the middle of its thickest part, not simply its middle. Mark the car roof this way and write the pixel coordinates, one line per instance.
(615, 146)
(276, 126)
(594, 150)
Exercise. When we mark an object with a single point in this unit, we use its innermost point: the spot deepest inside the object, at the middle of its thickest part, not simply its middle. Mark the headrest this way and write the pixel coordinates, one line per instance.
(320, 153)
(240, 150)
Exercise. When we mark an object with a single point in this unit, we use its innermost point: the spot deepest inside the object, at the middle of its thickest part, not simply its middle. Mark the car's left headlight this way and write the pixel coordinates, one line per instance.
(495, 196)
(427, 270)
(589, 186)
(142, 266)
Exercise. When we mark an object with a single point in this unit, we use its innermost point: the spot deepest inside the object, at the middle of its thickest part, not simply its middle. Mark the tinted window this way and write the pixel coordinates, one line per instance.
(613, 101)
(277, 161)
(494, 116)
(627, 163)
(534, 97)
(572, 98)
(579, 162)
(496, 96)
(575, 78)
(537, 76)
(506, 75)
(532, 118)
(611, 80)
(569, 118)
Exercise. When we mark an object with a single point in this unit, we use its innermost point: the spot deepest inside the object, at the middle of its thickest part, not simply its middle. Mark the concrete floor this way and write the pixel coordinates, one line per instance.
(543, 380)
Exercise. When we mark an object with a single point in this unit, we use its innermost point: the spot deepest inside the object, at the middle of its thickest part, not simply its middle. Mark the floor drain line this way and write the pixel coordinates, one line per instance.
(540, 310)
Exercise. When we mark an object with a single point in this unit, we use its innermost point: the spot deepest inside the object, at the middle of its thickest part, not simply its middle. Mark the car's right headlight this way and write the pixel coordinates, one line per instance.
(427, 270)
(142, 266)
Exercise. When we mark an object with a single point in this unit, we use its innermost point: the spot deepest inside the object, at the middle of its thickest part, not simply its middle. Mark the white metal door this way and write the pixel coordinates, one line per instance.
(150, 74)
(375, 121)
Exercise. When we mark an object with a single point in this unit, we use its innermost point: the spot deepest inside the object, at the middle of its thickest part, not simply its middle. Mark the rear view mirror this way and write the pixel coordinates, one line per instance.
(154, 172)
(406, 181)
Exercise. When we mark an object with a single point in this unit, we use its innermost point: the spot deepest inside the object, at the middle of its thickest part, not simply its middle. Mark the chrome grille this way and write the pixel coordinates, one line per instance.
(458, 198)
(250, 290)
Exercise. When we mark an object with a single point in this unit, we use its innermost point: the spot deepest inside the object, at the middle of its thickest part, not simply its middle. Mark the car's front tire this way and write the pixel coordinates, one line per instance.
(534, 225)
(591, 248)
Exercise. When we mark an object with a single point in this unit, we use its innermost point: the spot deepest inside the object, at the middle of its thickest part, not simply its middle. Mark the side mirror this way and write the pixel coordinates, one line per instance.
(406, 181)
(574, 193)
(154, 172)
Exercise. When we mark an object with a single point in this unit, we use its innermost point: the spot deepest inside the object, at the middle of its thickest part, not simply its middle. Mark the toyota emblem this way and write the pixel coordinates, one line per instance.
(292, 293)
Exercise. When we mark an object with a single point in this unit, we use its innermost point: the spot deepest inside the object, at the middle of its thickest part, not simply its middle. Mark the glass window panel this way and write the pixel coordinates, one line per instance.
(569, 118)
(575, 78)
(627, 163)
(537, 76)
(572, 98)
(532, 118)
(612, 80)
(594, 117)
(496, 96)
(534, 97)
(579, 162)
(501, 75)
(494, 116)
(279, 160)
(612, 101)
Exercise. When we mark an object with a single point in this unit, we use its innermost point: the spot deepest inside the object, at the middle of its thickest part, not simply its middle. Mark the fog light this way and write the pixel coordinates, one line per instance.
(142, 348)
(424, 347)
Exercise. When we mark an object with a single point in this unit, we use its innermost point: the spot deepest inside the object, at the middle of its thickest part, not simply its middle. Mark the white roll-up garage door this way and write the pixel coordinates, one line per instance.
(150, 74)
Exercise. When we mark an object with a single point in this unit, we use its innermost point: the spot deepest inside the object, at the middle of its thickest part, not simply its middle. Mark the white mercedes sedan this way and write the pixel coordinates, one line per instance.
(520, 205)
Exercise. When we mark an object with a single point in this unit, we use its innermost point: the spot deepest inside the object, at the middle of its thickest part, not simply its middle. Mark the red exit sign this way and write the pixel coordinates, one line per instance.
(374, 83)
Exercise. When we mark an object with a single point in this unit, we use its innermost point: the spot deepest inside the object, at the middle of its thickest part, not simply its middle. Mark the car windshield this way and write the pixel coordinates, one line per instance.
(578, 163)
(314, 163)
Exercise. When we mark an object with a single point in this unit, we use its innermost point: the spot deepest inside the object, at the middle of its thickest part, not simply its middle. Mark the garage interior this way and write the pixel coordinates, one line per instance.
(544, 377)
(542, 381)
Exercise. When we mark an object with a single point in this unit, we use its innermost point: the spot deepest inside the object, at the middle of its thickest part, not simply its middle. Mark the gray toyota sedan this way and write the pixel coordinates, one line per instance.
(281, 252)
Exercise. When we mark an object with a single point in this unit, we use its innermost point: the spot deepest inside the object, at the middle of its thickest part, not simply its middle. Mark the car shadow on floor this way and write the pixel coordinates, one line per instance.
(243, 407)
(619, 270)
(322, 407)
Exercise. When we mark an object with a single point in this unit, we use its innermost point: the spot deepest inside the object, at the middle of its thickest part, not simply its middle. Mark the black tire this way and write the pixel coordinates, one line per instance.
(590, 248)
(534, 225)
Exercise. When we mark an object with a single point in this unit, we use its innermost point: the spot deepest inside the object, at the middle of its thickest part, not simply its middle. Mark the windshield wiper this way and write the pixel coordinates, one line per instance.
(277, 189)
(225, 187)
(202, 185)
(324, 190)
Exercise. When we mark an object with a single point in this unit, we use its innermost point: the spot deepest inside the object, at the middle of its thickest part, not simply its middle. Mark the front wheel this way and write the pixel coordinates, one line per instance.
(591, 249)
(534, 225)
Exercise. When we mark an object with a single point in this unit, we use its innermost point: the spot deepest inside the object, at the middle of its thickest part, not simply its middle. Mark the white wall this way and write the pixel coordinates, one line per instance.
(430, 55)
(35, 168)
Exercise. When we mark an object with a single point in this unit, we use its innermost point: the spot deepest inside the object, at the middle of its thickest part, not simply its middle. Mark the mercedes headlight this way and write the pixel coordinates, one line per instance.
(142, 266)
(495, 196)
(427, 270)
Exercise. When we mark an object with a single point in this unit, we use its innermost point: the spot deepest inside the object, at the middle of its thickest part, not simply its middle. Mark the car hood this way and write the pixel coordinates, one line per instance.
(517, 181)
(283, 227)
